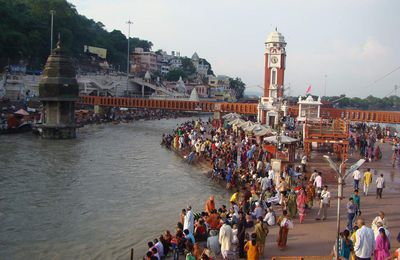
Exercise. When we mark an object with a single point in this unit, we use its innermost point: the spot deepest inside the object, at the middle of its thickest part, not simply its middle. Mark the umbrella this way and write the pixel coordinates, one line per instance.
(21, 112)
(256, 126)
(283, 139)
(246, 124)
(237, 121)
(231, 116)
(262, 130)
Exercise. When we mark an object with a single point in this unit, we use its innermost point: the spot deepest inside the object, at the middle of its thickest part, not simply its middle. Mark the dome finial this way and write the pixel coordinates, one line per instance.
(59, 41)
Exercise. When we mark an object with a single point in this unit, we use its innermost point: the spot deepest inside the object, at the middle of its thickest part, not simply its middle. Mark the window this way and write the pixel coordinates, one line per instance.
(273, 76)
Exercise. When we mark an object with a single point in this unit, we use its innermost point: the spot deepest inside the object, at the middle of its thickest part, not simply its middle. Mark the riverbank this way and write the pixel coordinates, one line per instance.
(313, 237)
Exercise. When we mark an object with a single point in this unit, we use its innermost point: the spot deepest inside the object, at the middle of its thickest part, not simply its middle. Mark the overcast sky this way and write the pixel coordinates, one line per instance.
(353, 42)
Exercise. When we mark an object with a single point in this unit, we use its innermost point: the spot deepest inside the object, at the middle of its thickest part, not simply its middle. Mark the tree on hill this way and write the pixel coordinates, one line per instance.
(25, 33)
(188, 67)
(173, 75)
(238, 86)
(205, 62)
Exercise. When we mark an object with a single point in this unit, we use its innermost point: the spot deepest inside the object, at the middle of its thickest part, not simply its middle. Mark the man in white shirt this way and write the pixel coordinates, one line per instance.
(271, 176)
(304, 162)
(318, 184)
(324, 204)
(313, 176)
(356, 178)
(365, 242)
(265, 184)
(270, 217)
(380, 184)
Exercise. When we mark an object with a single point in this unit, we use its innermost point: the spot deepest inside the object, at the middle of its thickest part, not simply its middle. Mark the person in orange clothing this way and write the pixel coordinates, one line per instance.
(252, 249)
(214, 220)
(210, 204)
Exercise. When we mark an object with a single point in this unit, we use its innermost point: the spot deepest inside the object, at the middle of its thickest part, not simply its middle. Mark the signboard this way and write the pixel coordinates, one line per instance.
(270, 148)
(101, 52)
(276, 165)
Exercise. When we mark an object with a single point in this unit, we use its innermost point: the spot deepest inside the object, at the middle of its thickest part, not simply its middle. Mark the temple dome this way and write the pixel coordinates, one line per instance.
(194, 96)
(275, 36)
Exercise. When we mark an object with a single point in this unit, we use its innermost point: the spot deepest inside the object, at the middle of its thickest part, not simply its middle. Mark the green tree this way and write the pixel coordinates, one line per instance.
(25, 32)
(173, 75)
(187, 66)
(238, 86)
(210, 71)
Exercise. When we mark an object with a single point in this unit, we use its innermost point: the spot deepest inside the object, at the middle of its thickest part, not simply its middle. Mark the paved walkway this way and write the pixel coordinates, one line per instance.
(318, 237)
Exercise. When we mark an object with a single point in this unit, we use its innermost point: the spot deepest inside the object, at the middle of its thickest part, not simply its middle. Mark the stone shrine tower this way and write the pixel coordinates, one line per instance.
(271, 103)
(58, 92)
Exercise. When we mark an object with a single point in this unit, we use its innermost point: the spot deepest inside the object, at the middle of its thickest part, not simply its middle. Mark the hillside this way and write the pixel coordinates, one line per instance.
(25, 33)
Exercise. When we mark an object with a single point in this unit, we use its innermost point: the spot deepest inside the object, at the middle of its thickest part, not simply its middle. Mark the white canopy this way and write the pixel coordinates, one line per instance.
(283, 139)
(260, 130)
(231, 116)
(246, 124)
(253, 127)
(236, 121)
(21, 112)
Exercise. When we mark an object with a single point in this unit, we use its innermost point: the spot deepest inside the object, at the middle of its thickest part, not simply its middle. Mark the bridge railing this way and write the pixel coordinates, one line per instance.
(185, 105)
(241, 108)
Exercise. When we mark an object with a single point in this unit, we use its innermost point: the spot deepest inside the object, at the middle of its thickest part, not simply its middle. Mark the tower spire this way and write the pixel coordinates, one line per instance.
(59, 41)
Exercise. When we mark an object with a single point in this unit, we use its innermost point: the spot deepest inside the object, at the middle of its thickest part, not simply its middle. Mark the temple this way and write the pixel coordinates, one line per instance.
(58, 92)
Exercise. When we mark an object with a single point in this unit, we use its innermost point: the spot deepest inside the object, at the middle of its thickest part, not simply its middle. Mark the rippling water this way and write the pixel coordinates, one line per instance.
(94, 197)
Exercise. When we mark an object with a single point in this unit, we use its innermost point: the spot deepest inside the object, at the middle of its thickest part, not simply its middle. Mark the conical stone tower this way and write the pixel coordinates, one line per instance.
(58, 92)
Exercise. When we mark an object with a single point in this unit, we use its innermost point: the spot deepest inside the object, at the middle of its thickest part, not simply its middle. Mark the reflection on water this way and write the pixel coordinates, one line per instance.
(112, 188)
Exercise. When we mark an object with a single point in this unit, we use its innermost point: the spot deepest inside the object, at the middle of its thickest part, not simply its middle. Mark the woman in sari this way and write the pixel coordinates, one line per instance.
(301, 204)
(310, 194)
(378, 153)
(291, 204)
(382, 246)
(284, 224)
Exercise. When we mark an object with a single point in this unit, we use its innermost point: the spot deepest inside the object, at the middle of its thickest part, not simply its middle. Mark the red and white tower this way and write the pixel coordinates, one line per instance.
(274, 75)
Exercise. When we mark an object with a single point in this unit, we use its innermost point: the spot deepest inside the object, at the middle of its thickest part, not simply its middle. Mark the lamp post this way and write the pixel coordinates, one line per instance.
(52, 12)
(129, 22)
(341, 183)
(339, 197)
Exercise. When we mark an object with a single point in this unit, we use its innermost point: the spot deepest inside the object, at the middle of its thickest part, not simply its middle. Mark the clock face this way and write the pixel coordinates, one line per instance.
(274, 59)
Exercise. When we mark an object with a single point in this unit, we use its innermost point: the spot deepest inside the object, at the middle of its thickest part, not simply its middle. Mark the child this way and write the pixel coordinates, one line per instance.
(234, 235)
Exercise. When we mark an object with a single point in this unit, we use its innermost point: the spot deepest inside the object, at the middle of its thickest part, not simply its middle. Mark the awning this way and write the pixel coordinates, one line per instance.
(283, 139)
(21, 112)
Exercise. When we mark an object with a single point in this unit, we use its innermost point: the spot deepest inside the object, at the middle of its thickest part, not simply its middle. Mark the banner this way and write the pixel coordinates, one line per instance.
(101, 52)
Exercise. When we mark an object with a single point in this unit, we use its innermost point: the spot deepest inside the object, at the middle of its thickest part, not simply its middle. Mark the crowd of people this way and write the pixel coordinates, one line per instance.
(84, 117)
(363, 242)
(262, 197)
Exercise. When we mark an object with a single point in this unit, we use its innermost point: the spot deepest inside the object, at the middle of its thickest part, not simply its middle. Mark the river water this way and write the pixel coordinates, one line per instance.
(94, 197)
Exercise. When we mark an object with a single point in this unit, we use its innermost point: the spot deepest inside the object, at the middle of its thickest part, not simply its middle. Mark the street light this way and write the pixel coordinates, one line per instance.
(52, 12)
(341, 179)
(129, 22)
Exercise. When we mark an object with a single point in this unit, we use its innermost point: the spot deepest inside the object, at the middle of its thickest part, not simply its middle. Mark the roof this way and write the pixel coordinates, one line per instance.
(195, 56)
(275, 36)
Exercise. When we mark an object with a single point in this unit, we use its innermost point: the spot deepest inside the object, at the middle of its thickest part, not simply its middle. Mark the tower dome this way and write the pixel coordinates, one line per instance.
(275, 36)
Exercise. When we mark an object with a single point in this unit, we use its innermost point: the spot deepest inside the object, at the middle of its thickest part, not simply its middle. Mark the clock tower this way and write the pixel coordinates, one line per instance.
(275, 62)
(274, 72)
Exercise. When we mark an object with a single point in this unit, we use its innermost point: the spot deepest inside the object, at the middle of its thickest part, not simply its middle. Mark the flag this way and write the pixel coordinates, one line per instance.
(308, 90)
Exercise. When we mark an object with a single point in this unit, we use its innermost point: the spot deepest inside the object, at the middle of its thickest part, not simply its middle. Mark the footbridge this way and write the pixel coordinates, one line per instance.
(119, 84)
(390, 117)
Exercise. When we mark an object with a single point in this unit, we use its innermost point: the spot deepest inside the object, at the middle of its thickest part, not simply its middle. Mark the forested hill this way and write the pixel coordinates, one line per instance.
(25, 33)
